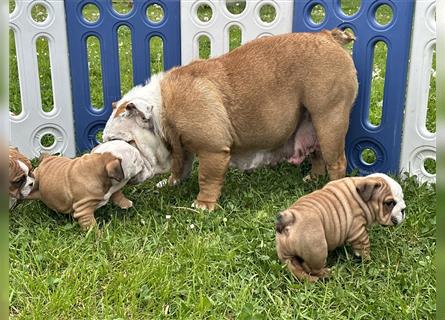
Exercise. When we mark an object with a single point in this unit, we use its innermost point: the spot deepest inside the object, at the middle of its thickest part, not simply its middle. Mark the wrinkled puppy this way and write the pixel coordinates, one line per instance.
(21, 177)
(338, 213)
(81, 185)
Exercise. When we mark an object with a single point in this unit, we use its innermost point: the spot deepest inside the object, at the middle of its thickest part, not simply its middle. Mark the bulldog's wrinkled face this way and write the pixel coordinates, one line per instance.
(135, 119)
(393, 203)
(21, 178)
(384, 197)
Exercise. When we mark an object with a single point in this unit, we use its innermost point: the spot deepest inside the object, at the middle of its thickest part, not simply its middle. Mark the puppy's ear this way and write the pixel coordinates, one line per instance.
(130, 107)
(366, 188)
(114, 170)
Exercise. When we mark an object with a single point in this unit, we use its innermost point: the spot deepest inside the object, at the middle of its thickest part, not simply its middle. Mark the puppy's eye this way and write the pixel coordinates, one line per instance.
(390, 203)
(17, 183)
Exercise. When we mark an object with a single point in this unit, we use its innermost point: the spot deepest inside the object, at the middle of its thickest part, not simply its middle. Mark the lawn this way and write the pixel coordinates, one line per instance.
(161, 259)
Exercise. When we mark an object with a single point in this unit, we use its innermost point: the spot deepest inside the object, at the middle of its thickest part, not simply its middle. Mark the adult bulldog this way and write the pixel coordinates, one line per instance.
(272, 99)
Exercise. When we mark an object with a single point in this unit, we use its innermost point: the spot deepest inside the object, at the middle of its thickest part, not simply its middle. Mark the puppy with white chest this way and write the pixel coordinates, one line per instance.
(337, 214)
(21, 177)
(81, 185)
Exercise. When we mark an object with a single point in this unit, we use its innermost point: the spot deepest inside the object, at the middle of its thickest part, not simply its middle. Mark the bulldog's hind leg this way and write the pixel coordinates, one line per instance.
(318, 165)
(85, 218)
(119, 199)
(212, 169)
(331, 127)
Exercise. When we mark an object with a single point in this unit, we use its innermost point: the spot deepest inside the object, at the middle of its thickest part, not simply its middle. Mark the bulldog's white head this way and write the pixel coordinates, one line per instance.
(133, 166)
(135, 119)
(396, 203)
(21, 177)
(393, 205)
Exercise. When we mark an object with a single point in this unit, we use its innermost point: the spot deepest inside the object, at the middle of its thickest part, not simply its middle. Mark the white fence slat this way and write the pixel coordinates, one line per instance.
(27, 128)
(217, 28)
(418, 144)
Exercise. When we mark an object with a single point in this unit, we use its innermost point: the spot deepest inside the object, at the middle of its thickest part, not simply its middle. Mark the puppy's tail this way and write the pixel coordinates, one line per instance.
(342, 37)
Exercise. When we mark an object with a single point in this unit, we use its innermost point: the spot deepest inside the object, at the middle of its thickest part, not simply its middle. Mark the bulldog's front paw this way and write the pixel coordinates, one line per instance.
(210, 206)
(324, 273)
(125, 204)
(364, 255)
(162, 183)
(87, 223)
(172, 181)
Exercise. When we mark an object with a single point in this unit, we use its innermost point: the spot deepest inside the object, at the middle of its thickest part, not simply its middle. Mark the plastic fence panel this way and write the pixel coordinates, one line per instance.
(103, 26)
(30, 21)
(419, 144)
(384, 140)
(215, 18)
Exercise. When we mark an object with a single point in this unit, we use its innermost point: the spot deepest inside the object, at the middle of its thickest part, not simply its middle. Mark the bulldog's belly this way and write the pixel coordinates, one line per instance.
(301, 144)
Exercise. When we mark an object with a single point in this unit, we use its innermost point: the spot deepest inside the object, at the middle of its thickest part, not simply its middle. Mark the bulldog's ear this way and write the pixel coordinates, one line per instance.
(114, 170)
(130, 107)
(367, 187)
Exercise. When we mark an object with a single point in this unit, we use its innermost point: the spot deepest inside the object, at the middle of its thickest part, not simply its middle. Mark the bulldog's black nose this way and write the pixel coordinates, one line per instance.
(403, 211)
(394, 220)
(279, 226)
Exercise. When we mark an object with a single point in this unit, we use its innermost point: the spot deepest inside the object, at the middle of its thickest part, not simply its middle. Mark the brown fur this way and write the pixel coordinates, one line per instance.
(16, 174)
(253, 98)
(325, 219)
(78, 186)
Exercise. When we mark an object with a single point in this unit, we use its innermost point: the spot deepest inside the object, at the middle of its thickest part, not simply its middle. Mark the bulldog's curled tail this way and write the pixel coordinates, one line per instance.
(343, 37)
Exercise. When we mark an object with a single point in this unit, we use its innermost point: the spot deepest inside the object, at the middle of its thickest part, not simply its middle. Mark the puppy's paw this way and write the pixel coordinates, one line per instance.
(125, 204)
(87, 223)
(173, 181)
(201, 205)
(324, 273)
(362, 255)
(307, 178)
(162, 183)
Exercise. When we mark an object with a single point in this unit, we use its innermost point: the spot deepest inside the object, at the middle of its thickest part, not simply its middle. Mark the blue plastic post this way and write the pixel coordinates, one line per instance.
(88, 121)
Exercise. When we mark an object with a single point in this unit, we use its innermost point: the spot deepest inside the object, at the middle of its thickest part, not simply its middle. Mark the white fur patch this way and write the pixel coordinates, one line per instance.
(147, 99)
(397, 192)
(162, 183)
(132, 163)
(26, 188)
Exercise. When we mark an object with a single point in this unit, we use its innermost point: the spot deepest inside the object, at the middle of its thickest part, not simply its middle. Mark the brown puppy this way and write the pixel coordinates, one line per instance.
(272, 99)
(337, 214)
(21, 177)
(81, 185)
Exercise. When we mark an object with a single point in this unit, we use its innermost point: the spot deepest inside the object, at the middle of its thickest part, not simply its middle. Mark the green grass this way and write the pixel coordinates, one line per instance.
(219, 265)
(161, 259)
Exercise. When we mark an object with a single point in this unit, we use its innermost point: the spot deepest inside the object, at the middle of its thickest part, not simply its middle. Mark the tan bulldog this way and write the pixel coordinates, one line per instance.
(81, 185)
(273, 99)
(337, 214)
(21, 177)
